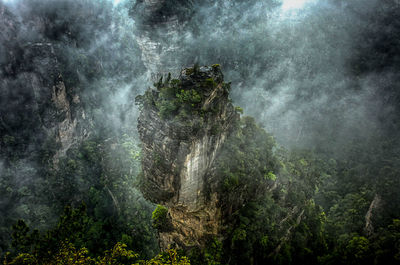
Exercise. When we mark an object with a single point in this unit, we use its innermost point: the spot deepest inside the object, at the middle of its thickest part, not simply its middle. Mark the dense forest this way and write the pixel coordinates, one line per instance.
(298, 100)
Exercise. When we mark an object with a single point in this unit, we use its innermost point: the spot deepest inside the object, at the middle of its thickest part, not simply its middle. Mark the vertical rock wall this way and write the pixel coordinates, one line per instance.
(33, 94)
(178, 159)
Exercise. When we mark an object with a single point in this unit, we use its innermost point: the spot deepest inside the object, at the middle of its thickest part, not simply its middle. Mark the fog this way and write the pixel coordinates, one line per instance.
(290, 63)
(313, 73)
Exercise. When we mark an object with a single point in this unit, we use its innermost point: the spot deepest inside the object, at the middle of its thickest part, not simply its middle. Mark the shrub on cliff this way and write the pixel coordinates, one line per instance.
(182, 99)
(160, 218)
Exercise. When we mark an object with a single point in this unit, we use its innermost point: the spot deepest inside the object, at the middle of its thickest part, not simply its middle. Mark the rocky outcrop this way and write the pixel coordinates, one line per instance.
(179, 151)
(33, 95)
(375, 204)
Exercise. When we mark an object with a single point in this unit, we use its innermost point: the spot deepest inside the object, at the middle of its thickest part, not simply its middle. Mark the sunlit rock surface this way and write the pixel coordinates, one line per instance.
(178, 159)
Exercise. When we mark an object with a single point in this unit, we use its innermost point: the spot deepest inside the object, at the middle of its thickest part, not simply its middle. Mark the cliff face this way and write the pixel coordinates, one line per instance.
(179, 148)
(33, 95)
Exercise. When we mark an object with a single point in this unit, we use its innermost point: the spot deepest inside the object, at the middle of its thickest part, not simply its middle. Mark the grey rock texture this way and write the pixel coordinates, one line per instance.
(178, 156)
(33, 94)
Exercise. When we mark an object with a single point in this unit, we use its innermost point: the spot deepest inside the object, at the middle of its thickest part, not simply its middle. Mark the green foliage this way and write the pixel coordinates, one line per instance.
(239, 109)
(357, 250)
(68, 254)
(66, 244)
(258, 220)
(239, 234)
(173, 99)
(265, 192)
(270, 176)
(188, 96)
(279, 207)
(102, 173)
(210, 255)
(71, 227)
(118, 255)
(170, 256)
(160, 217)
(107, 172)
(386, 245)
(166, 108)
(21, 259)
(245, 160)
(216, 66)
(210, 83)
(22, 240)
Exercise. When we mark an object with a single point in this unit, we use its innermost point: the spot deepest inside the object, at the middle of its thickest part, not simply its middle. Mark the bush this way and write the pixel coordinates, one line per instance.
(160, 217)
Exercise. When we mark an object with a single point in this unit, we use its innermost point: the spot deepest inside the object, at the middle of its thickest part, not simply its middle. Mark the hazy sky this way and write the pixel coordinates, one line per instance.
(295, 4)
(290, 66)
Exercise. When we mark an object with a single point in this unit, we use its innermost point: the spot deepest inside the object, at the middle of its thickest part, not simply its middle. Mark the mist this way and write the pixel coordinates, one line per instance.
(291, 65)
(292, 69)
(318, 75)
